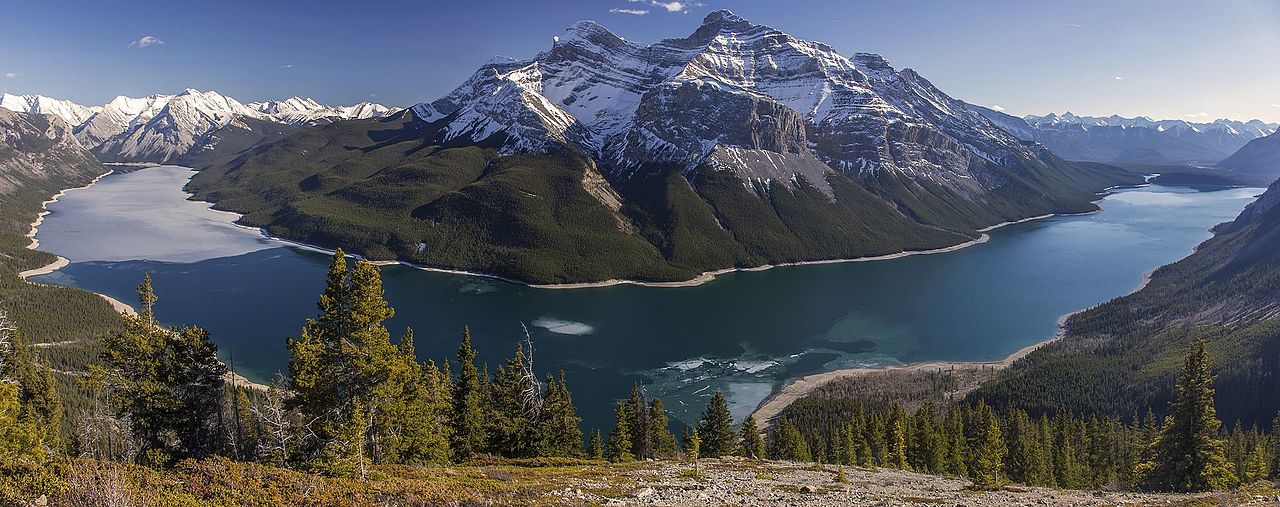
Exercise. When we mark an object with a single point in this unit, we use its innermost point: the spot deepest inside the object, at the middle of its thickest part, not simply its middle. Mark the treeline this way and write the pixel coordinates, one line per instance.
(1184, 452)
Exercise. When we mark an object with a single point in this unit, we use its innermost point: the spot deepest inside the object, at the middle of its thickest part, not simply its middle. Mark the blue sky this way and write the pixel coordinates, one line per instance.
(1168, 59)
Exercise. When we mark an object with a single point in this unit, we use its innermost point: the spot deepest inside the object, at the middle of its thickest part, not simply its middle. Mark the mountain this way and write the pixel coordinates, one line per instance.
(69, 112)
(187, 128)
(1121, 357)
(1131, 140)
(600, 158)
(1258, 161)
(300, 111)
(40, 149)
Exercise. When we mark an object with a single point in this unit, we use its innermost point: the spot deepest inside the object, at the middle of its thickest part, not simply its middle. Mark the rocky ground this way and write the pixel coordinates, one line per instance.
(738, 482)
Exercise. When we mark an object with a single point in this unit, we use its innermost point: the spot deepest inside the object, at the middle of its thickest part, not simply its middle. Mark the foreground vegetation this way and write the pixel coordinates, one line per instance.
(360, 415)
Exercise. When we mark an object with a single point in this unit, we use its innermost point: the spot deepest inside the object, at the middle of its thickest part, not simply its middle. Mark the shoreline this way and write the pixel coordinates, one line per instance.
(59, 261)
(799, 387)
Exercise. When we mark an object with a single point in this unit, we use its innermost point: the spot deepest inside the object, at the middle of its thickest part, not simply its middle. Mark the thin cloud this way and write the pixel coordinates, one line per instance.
(1275, 105)
(1201, 114)
(287, 66)
(1119, 78)
(633, 12)
(997, 107)
(12, 75)
(146, 40)
(1071, 25)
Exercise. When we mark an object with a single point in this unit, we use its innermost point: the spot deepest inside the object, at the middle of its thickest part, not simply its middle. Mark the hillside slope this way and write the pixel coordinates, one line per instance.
(1120, 357)
(603, 159)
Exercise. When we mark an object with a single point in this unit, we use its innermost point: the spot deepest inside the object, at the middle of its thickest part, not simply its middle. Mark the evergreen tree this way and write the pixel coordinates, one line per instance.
(662, 441)
(694, 449)
(595, 448)
(560, 434)
(957, 445)
(358, 391)
(788, 444)
(896, 443)
(987, 447)
(20, 436)
(1188, 455)
(37, 391)
(1275, 447)
(169, 384)
(716, 428)
(467, 423)
(510, 419)
(619, 448)
(638, 420)
(750, 445)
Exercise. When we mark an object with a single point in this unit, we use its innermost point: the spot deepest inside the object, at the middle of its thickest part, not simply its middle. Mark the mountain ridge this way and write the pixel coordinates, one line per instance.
(736, 146)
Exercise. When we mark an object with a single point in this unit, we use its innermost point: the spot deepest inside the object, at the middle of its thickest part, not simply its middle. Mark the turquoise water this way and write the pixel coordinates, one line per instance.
(743, 332)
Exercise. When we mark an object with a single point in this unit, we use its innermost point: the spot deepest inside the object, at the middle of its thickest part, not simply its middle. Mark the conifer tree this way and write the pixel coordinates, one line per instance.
(560, 434)
(37, 391)
(168, 383)
(957, 445)
(638, 422)
(1188, 456)
(986, 463)
(694, 450)
(787, 443)
(511, 417)
(662, 441)
(750, 445)
(467, 415)
(716, 428)
(1275, 447)
(20, 436)
(896, 443)
(595, 448)
(619, 447)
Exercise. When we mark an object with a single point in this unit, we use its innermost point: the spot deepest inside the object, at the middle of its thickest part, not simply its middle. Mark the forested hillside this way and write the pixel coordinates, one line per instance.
(1120, 357)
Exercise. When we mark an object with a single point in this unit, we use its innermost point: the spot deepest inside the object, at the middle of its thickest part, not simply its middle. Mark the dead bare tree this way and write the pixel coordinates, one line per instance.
(531, 396)
(278, 427)
(6, 342)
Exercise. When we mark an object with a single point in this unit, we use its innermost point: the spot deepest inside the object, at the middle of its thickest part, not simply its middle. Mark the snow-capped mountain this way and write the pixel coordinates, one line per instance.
(1132, 140)
(70, 112)
(742, 97)
(1257, 162)
(300, 111)
(160, 128)
(118, 116)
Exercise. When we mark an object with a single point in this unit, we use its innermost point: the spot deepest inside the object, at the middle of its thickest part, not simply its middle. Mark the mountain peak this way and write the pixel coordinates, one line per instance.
(724, 19)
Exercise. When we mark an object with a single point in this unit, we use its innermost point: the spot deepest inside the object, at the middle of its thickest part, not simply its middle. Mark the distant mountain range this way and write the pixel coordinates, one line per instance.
(1258, 161)
(1139, 141)
(167, 128)
(599, 158)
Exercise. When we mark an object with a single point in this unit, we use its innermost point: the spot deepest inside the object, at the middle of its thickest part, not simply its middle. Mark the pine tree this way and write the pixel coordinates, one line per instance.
(20, 437)
(168, 383)
(354, 386)
(510, 418)
(37, 391)
(986, 463)
(896, 439)
(787, 443)
(467, 415)
(662, 441)
(560, 434)
(716, 428)
(694, 450)
(957, 445)
(595, 448)
(619, 448)
(638, 420)
(1275, 447)
(750, 445)
(1188, 454)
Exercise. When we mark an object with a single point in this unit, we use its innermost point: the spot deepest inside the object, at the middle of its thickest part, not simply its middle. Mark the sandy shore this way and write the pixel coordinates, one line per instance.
(60, 262)
(803, 386)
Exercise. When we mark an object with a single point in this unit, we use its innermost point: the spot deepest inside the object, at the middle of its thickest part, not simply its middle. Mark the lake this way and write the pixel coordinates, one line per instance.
(744, 332)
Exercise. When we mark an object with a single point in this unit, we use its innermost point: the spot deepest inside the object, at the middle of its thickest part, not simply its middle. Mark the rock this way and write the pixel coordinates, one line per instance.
(644, 492)
(806, 489)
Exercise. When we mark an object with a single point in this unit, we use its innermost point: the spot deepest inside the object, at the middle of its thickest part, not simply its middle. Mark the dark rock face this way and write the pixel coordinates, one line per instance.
(1258, 161)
